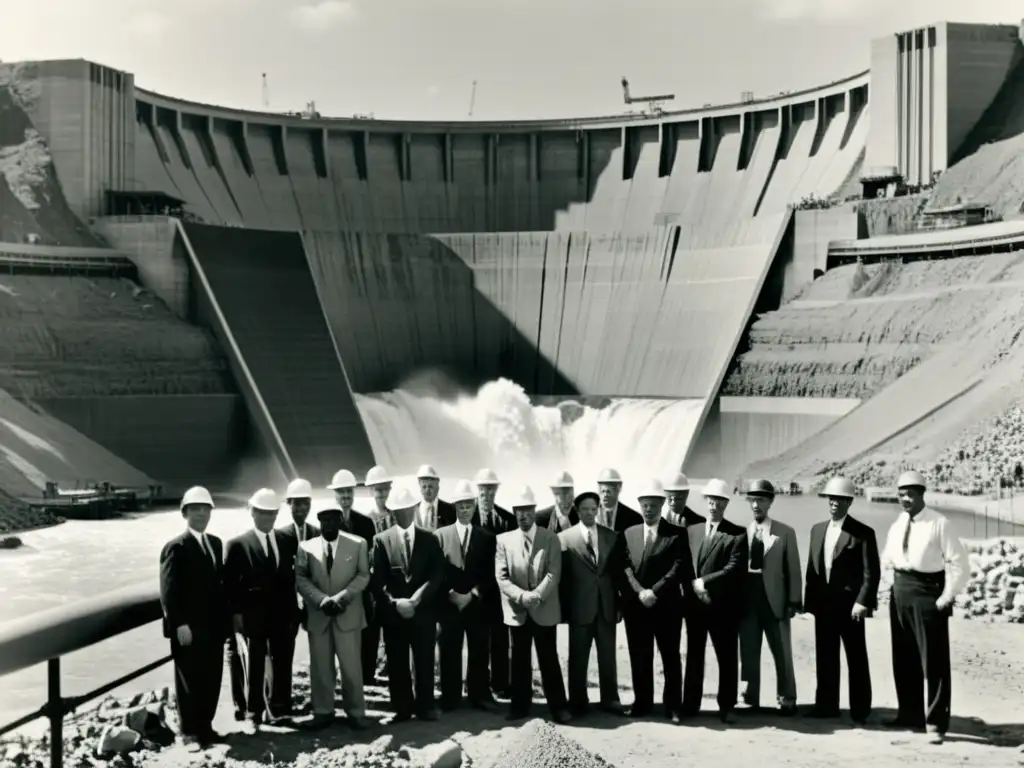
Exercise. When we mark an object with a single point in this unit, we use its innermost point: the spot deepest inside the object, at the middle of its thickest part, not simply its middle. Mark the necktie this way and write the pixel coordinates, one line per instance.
(648, 542)
(906, 536)
(711, 529)
(300, 533)
(589, 541)
(330, 557)
(757, 551)
(273, 550)
(464, 543)
(205, 546)
(527, 544)
(408, 547)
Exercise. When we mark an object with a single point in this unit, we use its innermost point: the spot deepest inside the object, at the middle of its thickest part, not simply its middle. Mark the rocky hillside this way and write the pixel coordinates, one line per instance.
(857, 329)
(32, 203)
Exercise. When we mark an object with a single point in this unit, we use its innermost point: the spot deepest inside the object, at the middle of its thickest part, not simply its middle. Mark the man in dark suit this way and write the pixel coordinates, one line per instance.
(561, 515)
(432, 513)
(195, 618)
(298, 498)
(495, 520)
(408, 570)
(468, 586)
(613, 513)
(379, 483)
(677, 488)
(655, 562)
(260, 586)
(588, 593)
(843, 572)
(715, 602)
(355, 523)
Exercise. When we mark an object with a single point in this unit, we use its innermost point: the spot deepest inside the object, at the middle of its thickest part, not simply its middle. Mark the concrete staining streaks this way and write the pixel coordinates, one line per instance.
(644, 315)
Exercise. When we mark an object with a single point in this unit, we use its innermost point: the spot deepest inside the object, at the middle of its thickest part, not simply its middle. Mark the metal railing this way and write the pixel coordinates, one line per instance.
(49, 635)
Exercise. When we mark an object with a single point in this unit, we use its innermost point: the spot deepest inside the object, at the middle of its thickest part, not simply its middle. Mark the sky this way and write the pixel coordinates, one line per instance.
(417, 59)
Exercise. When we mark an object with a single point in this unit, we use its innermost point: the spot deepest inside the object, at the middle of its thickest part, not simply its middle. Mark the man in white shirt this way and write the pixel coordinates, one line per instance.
(432, 512)
(614, 514)
(931, 569)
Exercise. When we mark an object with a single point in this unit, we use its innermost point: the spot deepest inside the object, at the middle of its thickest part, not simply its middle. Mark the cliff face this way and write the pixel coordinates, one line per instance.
(32, 203)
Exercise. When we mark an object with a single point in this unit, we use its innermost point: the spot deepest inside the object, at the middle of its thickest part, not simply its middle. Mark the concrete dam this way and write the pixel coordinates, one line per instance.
(370, 290)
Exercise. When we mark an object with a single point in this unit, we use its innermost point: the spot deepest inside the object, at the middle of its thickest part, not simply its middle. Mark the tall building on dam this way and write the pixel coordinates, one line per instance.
(313, 258)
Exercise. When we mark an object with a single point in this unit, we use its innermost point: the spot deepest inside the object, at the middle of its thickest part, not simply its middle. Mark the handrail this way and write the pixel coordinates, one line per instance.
(48, 635)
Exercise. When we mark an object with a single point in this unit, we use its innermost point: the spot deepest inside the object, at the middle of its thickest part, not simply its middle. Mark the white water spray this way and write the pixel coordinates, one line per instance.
(499, 427)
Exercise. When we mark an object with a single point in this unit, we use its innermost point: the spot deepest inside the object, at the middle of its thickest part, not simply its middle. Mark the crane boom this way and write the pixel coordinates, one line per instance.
(653, 102)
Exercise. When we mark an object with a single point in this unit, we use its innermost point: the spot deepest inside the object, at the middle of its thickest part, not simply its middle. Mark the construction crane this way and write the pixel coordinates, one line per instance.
(266, 93)
(654, 103)
(472, 99)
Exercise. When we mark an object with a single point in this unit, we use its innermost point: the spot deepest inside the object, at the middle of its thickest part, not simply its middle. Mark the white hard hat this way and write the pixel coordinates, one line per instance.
(840, 487)
(563, 480)
(265, 500)
(910, 479)
(678, 482)
(486, 477)
(651, 489)
(609, 475)
(427, 472)
(523, 497)
(717, 488)
(377, 476)
(323, 506)
(299, 489)
(400, 498)
(463, 492)
(197, 494)
(342, 479)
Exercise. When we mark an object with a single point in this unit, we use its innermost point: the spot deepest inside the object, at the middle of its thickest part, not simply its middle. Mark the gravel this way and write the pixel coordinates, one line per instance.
(538, 744)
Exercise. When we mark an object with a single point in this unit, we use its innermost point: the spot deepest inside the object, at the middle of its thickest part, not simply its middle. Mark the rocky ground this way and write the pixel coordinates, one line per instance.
(987, 729)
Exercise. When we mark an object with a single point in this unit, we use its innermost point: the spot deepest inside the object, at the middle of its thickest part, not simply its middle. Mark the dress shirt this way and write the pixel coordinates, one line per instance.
(650, 534)
(428, 515)
(832, 531)
(608, 515)
(710, 529)
(932, 548)
(411, 531)
(764, 528)
(381, 520)
(463, 531)
(204, 544)
(592, 532)
(269, 545)
(530, 535)
(300, 532)
(329, 548)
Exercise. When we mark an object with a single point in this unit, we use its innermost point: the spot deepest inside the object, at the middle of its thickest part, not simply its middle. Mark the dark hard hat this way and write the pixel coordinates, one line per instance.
(760, 488)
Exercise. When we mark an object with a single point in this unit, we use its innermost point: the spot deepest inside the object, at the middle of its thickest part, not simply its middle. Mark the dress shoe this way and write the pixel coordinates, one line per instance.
(190, 743)
(239, 715)
(675, 719)
(401, 717)
(904, 723)
(561, 716)
(486, 705)
(727, 717)
(788, 710)
(636, 711)
(612, 708)
(319, 721)
(428, 716)
(357, 722)
(935, 736)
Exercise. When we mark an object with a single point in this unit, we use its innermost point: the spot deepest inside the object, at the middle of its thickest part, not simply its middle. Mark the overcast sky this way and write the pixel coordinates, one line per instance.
(418, 58)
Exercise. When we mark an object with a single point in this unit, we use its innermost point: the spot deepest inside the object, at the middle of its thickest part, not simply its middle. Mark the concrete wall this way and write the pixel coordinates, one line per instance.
(930, 86)
(812, 231)
(152, 243)
(174, 439)
(742, 430)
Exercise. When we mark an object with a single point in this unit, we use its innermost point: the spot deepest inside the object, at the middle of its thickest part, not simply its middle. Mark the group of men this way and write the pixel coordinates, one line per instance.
(436, 578)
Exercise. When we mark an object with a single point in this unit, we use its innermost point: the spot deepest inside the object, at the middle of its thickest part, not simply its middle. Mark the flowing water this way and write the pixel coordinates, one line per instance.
(498, 427)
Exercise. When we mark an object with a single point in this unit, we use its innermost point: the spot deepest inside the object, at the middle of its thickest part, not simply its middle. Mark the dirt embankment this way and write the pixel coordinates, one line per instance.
(857, 329)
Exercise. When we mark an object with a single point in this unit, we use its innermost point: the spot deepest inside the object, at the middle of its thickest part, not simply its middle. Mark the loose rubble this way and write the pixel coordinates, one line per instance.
(996, 587)
(383, 753)
(538, 744)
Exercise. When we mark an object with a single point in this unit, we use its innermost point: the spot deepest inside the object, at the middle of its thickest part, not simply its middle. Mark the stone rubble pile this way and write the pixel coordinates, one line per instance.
(995, 590)
(383, 753)
(538, 744)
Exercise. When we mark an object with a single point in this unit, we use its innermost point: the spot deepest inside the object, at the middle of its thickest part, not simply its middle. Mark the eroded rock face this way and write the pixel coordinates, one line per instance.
(996, 587)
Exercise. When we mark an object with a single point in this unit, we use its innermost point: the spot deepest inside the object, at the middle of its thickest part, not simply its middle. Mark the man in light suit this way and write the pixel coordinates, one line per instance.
(331, 573)
(589, 602)
(774, 596)
(528, 565)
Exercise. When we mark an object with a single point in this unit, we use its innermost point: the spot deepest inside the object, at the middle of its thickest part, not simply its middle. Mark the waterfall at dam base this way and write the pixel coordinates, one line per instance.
(499, 427)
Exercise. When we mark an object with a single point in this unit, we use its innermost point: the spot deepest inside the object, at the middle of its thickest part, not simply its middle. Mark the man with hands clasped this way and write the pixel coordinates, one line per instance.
(331, 573)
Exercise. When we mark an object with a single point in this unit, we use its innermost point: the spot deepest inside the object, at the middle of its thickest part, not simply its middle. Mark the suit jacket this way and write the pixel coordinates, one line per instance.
(722, 563)
(262, 592)
(473, 574)
(349, 575)
(666, 569)
(545, 515)
(588, 590)
(502, 521)
(783, 580)
(517, 575)
(855, 568)
(288, 546)
(394, 578)
(626, 517)
(192, 587)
